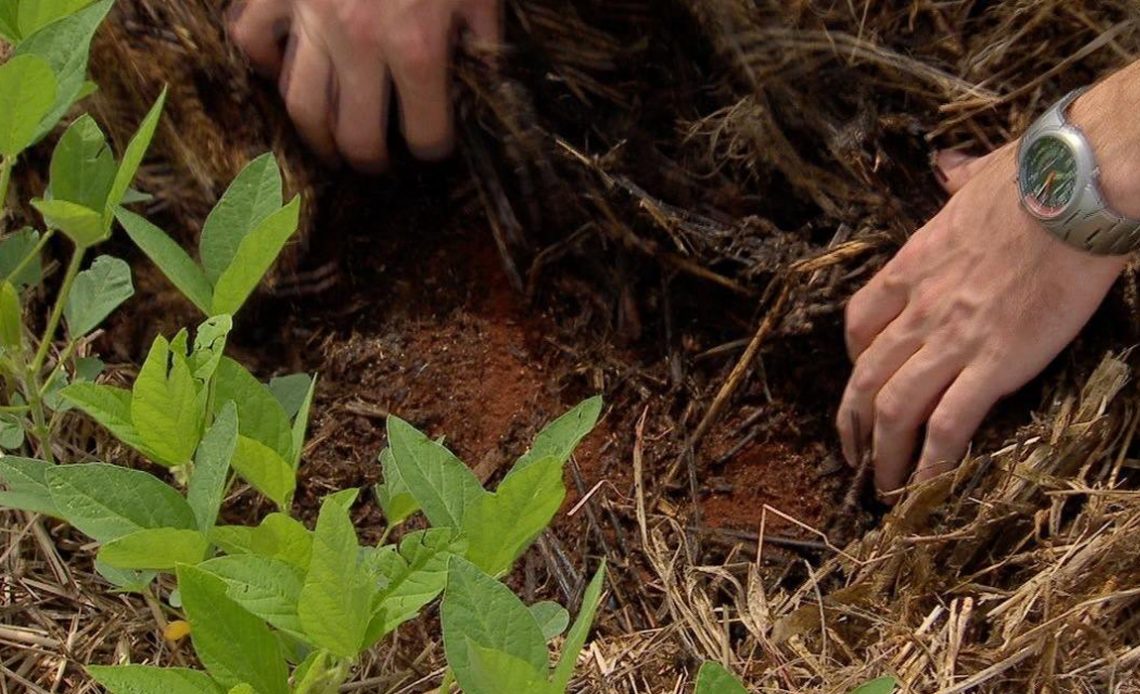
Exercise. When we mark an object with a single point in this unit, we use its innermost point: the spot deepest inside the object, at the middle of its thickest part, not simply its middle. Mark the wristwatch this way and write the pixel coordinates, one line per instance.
(1059, 184)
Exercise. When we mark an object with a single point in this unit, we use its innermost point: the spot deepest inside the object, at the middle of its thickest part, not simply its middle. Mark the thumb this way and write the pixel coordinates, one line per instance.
(955, 169)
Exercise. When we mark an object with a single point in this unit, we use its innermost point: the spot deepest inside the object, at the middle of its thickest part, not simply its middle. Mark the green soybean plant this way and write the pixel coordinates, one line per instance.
(240, 240)
(713, 678)
(44, 77)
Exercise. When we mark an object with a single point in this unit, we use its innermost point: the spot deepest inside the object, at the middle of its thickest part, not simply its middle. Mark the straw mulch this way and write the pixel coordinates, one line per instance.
(767, 155)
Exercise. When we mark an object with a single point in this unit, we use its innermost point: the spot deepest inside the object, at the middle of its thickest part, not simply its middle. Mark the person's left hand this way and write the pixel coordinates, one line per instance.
(975, 304)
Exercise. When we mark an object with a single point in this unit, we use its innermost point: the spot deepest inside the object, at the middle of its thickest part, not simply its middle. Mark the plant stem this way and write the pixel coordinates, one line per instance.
(6, 164)
(57, 311)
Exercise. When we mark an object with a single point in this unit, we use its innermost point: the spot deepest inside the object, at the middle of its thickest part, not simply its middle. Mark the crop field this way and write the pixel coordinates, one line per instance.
(556, 414)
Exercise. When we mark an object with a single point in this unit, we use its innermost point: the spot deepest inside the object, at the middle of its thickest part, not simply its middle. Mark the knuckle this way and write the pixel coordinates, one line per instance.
(864, 379)
(415, 48)
(889, 407)
(944, 428)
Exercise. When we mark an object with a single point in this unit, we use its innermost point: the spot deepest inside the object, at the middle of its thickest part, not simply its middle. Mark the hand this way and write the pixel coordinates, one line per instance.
(342, 59)
(975, 305)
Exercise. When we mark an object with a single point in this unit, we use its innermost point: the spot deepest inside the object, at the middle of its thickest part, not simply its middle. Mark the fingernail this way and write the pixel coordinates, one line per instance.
(287, 65)
(234, 12)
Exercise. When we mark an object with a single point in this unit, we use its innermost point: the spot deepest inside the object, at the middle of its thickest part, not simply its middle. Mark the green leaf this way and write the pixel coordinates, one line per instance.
(144, 679)
(107, 502)
(27, 485)
(88, 368)
(277, 537)
(290, 392)
(255, 255)
(65, 45)
(491, 671)
(301, 423)
(501, 526)
(265, 470)
(210, 346)
(132, 159)
(125, 580)
(335, 600)
(165, 405)
(393, 494)
(551, 617)
(13, 249)
(110, 407)
(11, 432)
(268, 588)
(411, 577)
(27, 92)
(242, 688)
(260, 416)
(11, 318)
(233, 644)
(576, 637)
(174, 262)
(36, 14)
(713, 678)
(97, 291)
(82, 165)
(880, 685)
(156, 549)
(211, 467)
(442, 485)
(252, 196)
(479, 610)
(82, 225)
(559, 438)
(10, 21)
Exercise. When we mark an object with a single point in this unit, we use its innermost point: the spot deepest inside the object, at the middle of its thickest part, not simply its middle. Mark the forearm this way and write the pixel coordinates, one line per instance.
(1109, 115)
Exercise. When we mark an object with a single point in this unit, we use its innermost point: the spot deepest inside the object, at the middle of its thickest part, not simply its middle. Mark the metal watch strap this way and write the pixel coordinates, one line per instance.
(1092, 225)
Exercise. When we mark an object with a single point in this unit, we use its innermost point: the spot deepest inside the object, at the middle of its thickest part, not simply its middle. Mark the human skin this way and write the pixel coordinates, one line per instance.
(978, 301)
(339, 64)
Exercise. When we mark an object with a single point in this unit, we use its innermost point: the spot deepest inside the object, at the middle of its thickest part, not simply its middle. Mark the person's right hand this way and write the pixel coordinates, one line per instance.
(337, 63)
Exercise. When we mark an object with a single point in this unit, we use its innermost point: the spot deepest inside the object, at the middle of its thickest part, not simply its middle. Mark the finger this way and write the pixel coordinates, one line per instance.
(484, 19)
(259, 28)
(952, 424)
(872, 309)
(305, 84)
(902, 405)
(874, 368)
(418, 54)
(360, 106)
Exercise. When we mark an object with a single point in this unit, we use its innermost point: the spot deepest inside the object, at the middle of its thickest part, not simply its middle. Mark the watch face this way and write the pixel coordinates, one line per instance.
(1049, 176)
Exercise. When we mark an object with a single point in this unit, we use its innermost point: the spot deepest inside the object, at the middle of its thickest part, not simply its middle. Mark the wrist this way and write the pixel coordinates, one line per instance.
(1115, 139)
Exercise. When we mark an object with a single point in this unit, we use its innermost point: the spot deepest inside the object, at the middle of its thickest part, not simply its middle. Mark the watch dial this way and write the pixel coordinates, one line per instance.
(1049, 175)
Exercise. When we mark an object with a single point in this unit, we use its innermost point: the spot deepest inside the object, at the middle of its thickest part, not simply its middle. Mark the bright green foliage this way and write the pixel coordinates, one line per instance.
(36, 14)
(107, 502)
(235, 646)
(264, 468)
(157, 549)
(11, 318)
(143, 679)
(167, 405)
(97, 291)
(267, 587)
(278, 537)
(494, 643)
(241, 239)
(65, 45)
(713, 678)
(409, 577)
(335, 600)
(261, 417)
(211, 468)
(27, 92)
(27, 485)
(498, 526)
(9, 20)
(880, 685)
(87, 186)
